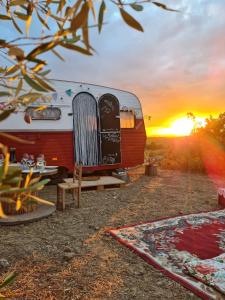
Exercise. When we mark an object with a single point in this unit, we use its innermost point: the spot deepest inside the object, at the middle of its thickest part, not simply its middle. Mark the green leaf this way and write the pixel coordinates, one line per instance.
(73, 40)
(130, 20)
(30, 95)
(80, 18)
(61, 5)
(76, 48)
(19, 87)
(43, 22)
(4, 17)
(76, 6)
(3, 94)
(136, 7)
(42, 48)
(16, 26)
(7, 86)
(44, 73)
(14, 180)
(2, 70)
(36, 60)
(163, 6)
(85, 34)
(8, 280)
(16, 139)
(43, 83)
(2, 297)
(30, 188)
(6, 114)
(15, 51)
(57, 18)
(21, 16)
(101, 15)
(18, 2)
(33, 84)
(68, 11)
(12, 70)
(13, 172)
(58, 55)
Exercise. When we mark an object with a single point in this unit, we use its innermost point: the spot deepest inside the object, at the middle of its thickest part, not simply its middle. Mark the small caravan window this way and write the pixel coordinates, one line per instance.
(49, 113)
(127, 119)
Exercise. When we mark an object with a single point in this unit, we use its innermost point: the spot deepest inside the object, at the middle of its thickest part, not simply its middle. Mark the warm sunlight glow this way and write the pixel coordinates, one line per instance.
(180, 127)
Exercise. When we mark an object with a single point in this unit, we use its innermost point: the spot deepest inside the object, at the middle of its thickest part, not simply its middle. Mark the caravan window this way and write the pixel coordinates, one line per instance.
(127, 119)
(49, 113)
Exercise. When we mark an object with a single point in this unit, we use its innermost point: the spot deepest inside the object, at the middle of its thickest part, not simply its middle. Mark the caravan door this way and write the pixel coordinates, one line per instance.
(109, 115)
(86, 138)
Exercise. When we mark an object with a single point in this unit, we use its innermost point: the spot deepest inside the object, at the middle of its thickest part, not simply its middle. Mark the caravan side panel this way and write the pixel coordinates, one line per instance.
(56, 146)
(133, 144)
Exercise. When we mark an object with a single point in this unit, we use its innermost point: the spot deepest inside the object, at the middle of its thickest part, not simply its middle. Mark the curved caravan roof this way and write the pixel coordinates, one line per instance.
(126, 99)
(62, 98)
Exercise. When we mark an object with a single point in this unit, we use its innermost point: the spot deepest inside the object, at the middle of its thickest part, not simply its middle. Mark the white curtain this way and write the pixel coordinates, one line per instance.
(86, 129)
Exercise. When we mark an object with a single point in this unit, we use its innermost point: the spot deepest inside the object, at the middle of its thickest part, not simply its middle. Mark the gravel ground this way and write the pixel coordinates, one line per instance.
(69, 255)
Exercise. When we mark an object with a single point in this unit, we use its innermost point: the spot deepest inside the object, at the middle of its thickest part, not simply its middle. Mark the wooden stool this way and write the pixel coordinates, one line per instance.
(151, 170)
(75, 186)
(61, 194)
(221, 197)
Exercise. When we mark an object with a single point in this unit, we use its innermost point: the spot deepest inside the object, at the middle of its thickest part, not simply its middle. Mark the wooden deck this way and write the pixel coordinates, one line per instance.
(102, 183)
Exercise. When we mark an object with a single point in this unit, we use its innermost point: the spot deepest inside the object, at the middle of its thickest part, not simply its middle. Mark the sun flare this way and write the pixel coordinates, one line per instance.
(179, 127)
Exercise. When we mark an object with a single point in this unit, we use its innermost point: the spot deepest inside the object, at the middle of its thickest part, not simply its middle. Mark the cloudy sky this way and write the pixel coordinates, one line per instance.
(177, 65)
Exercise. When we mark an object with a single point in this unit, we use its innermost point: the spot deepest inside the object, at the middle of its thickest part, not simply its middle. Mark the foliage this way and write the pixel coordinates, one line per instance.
(214, 128)
(6, 281)
(15, 190)
(63, 24)
(203, 151)
(184, 154)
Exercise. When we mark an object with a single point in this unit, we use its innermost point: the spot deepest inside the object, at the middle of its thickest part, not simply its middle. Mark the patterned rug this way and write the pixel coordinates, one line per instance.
(189, 249)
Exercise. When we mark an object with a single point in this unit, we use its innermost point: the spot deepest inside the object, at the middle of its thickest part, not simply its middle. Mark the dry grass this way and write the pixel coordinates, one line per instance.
(99, 267)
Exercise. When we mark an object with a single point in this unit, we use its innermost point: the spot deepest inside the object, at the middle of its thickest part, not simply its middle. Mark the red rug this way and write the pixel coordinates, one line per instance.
(172, 244)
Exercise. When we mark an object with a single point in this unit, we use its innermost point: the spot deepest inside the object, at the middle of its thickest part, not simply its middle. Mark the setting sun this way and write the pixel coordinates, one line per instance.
(179, 127)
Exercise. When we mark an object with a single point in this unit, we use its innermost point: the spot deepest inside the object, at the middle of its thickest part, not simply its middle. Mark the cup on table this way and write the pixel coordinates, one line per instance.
(24, 161)
(41, 163)
(1, 159)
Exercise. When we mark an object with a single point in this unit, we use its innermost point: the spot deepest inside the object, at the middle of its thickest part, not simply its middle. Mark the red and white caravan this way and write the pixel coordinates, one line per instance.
(100, 127)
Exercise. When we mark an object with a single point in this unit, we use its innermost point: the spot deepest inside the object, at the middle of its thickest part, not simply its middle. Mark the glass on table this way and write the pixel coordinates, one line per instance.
(1, 159)
(41, 163)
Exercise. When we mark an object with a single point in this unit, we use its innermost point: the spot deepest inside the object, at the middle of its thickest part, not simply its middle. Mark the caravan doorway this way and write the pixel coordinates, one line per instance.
(85, 121)
(96, 130)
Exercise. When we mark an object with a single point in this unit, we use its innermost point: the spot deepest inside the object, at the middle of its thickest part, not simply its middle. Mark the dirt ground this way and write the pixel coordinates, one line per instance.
(69, 255)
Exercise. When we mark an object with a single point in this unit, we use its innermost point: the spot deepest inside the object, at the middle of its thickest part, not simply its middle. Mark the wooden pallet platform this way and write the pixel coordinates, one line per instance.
(102, 183)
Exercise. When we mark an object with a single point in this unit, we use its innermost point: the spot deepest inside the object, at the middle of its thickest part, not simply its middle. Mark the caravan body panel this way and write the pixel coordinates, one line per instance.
(57, 140)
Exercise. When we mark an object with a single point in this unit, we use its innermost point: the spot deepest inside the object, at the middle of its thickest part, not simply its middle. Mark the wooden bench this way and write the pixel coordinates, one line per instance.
(100, 184)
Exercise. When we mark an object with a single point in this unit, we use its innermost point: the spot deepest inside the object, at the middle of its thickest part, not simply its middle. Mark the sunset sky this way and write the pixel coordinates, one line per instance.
(176, 66)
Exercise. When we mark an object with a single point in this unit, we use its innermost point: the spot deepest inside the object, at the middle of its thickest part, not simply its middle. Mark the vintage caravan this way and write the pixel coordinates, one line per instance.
(100, 127)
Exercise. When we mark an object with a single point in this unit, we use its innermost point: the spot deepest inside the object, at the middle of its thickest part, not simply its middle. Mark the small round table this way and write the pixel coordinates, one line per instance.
(38, 211)
(46, 172)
